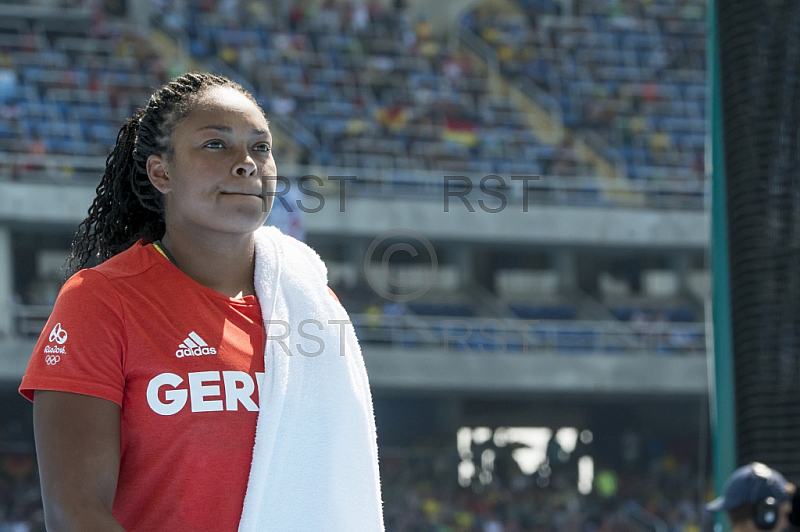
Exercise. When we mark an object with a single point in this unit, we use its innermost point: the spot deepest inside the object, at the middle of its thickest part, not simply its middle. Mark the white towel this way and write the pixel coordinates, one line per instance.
(315, 459)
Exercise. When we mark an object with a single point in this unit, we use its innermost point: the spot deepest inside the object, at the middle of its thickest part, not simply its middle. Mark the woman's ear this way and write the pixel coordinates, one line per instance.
(157, 172)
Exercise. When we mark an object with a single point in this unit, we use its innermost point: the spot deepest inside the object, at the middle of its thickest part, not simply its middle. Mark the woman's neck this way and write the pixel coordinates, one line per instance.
(224, 263)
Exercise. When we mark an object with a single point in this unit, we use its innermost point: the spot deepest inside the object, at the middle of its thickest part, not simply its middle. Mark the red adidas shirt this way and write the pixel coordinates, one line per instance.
(184, 363)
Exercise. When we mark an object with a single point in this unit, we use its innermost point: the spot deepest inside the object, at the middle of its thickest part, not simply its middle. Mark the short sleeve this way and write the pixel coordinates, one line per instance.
(81, 348)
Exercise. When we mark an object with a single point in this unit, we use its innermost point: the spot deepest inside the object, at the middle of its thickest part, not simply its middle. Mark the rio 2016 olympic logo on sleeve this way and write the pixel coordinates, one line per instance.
(58, 334)
(53, 352)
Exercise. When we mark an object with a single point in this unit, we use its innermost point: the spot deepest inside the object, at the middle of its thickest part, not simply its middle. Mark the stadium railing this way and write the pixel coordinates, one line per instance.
(499, 335)
(487, 335)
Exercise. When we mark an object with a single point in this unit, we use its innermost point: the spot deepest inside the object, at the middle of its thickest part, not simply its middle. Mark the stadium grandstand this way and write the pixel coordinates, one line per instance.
(545, 158)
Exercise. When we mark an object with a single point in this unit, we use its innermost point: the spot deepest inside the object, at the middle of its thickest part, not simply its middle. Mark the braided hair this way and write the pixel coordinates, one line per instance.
(127, 206)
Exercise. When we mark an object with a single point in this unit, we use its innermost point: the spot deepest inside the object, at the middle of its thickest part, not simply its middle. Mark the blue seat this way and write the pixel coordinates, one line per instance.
(530, 311)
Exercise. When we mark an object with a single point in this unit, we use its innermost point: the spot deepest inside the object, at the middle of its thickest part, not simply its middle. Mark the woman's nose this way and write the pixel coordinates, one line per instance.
(246, 167)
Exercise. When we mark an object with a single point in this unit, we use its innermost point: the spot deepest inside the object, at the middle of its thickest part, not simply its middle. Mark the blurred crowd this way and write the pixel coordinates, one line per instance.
(628, 74)
(362, 84)
(20, 494)
(65, 89)
(422, 493)
(375, 86)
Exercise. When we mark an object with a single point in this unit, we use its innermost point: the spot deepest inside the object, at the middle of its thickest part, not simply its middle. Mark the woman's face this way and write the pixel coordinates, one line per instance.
(220, 176)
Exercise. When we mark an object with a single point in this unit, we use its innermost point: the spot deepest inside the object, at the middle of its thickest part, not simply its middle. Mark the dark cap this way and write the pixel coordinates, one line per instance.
(750, 484)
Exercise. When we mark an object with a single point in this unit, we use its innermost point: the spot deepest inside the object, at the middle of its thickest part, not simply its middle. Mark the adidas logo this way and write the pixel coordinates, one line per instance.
(194, 346)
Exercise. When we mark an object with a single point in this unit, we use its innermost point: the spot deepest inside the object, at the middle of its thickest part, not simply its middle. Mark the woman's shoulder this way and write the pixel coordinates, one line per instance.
(87, 292)
(133, 261)
(102, 277)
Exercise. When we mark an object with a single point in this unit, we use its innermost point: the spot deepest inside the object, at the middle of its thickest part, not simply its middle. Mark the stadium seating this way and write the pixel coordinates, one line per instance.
(387, 93)
(376, 90)
(67, 90)
(630, 77)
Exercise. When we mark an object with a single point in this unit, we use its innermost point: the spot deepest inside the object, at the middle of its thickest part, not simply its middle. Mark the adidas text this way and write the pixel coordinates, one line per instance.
(195, 352)
(194, 346)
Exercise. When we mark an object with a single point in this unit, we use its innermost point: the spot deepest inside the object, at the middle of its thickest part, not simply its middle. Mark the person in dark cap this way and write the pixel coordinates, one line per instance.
(756, 497)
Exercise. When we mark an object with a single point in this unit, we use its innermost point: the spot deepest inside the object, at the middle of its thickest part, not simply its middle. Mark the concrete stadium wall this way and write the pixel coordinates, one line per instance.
(547, 373)
(30, 203)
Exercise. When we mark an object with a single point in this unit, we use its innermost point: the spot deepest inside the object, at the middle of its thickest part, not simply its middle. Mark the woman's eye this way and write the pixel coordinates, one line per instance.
(214, 144)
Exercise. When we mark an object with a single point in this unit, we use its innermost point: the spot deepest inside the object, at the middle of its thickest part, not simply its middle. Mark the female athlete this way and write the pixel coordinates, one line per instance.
(145, 380)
